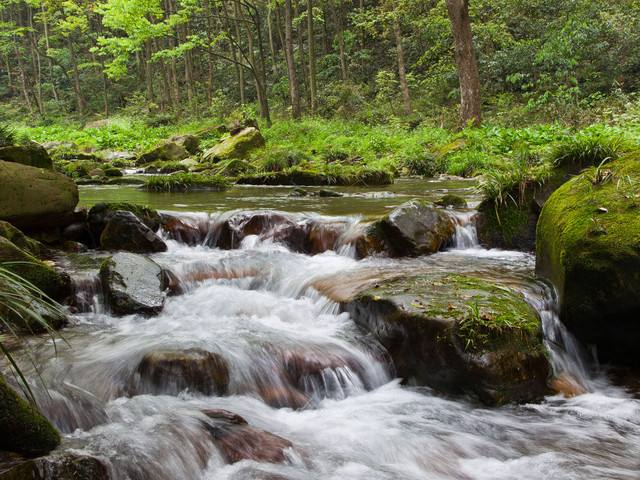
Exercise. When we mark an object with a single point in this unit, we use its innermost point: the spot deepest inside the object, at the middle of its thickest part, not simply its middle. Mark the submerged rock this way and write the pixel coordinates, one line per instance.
(414, 228)
(133, 284)
(34, 197)
(124, 231)
(57, 466)
(238, 145)
(169, 372)
(238, 441)
(23, 429)
(588, 245)
(458, 334)
(33, 155)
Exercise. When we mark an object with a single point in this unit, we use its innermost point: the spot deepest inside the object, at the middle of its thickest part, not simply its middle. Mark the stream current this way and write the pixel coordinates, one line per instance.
(357, 421)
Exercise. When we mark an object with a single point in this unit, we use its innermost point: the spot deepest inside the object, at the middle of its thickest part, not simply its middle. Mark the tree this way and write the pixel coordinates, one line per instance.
(470, 101)
(294, 89)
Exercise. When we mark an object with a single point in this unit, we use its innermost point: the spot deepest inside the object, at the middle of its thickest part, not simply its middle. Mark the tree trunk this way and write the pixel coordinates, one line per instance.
(470, 101)
(80, 103)
(45, 25)
(291, 67)
(404, 86)
(312, 58)
(341, 50)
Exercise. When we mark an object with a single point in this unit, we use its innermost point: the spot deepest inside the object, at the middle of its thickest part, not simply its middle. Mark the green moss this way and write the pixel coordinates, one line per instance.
(20, 240)
(23, 429)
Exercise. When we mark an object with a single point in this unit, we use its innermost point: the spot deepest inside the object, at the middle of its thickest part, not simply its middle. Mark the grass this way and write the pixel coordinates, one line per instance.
(588, 148)
(7, 136)
(184, 182)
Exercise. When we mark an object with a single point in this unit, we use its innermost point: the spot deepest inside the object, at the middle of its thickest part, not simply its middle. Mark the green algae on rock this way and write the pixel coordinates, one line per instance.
(588, 245)
(458, 334)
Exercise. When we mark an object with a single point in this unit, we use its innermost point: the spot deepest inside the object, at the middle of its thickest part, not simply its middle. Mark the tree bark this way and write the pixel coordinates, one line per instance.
(294, 92)
(312, 58)
(402, 73)
(470, 100)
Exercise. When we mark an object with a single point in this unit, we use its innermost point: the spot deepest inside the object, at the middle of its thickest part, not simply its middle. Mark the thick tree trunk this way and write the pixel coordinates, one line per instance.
(402, 73)
(470, 101)
(294, 92)
(312, 58)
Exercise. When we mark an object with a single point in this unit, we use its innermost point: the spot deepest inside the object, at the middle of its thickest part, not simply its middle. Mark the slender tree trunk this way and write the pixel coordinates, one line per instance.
(45, 25)
(272, 47)
(294, 92)
(80, 103)
(236, 26)
(341, 49)
(404, 86)
(234, 53)
(23, 79)
(37, 63)
(312, 58)
(300, 38)
(470, 100)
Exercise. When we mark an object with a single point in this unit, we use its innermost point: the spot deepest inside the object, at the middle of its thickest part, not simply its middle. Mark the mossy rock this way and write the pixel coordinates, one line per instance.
(32, 155)
(100, 214)
(34, 197)
(23, 429)
(20, 240)
(588, 245)
(458, 334)
(508, 226)
(54, 284)
(235, 146)
(233, 168)
(167, 151)
(451, 200)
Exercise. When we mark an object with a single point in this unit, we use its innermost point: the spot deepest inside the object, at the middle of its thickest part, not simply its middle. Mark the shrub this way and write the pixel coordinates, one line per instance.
(425, 164)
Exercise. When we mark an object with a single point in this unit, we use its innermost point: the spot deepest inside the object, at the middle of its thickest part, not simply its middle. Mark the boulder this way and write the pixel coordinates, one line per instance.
(239, 441)
(507, 226)
(165, 151)
(34, 197)
(451, 201)
(414, 228)
(20, 240)
(190, 143)
(588, 245)
(235, 146)
(124, 231)
(133, 284)
(33, 155)
(169, 372)
(68, 465)
(267, 225)
(458, 334)
(100, 214)
(23, 428)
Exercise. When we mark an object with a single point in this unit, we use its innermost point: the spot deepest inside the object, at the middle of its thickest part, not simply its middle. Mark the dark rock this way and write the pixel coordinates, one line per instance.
(507, 226)
(33, 155)
(78, 232)
(457, 334)
(100, 214)
(133, 284)
(452, 201)
(124, 231)
(298, 192)
(329, 193)
(593, 258)
(34, 197)
(265, 224)
(57, 466)
(23, 429)
(170, 372)
(414, 228)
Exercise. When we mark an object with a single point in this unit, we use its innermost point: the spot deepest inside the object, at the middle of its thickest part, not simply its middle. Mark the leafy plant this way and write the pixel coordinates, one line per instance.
(585, 149)
(183, 182)
(7, 135)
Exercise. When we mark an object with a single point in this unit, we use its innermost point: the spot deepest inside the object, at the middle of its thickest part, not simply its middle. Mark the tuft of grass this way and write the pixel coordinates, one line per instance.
(184, 182)
(7, 135)
(586, 149)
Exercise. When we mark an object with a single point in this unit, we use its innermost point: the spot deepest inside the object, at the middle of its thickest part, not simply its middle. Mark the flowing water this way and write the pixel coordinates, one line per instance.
(344, 412)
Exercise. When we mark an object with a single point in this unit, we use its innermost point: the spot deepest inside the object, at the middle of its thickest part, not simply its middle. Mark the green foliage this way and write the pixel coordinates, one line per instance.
(7, 135)
(184, 182)
(587, 148)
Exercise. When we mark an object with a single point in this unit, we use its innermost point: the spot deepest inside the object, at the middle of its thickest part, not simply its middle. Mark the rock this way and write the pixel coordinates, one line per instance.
(283, 396)
(23, 429)
(298, 192)
(301, 176)
(265, 224)
(20, 240)
(68, 465)
(100, 214)
(35, 198)
(169, 372)
(124, 231)
(567, 386)
(101, 123)
(232, 168)
(78, 232)
(235, 146)
(110, 156)
(190, 143)
(113, 172)
(165, 151)
(184, 230)
(507, 226)
(133, 284)
(457, 334)
(593, 258)
(414, 228)
(41, 275)
(452, 201)
(239, 441)
(329, 193)
(33, 155)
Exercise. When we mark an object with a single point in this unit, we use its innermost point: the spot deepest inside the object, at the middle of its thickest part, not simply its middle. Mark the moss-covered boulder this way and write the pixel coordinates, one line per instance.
(133, 284)
(34, 197)
(508, 225)
(23, 429)
(414, 228)
(32, 154)
(167, 151)
(100, 214)
(588, 245)
(457, 334)
(56, 285)
(235, 146)
(20, 240)
(451, 201)
(190, 143)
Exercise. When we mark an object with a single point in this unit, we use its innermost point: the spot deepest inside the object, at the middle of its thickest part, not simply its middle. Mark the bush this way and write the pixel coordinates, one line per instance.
(425, 164)
(183, 182)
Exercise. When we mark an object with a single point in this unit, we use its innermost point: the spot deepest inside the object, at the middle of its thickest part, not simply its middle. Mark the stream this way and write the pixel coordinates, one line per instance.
(356, 420)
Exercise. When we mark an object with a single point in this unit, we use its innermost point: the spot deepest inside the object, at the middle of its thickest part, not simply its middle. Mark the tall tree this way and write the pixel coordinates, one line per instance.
(470, 101)
(294, 89)
(313, 90)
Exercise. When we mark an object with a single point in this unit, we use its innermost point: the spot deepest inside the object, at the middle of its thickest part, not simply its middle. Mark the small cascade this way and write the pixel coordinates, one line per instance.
(87, 296)
(466, 236)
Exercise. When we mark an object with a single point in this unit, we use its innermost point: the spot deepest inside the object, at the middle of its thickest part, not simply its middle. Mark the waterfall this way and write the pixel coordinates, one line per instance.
(466, 236)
